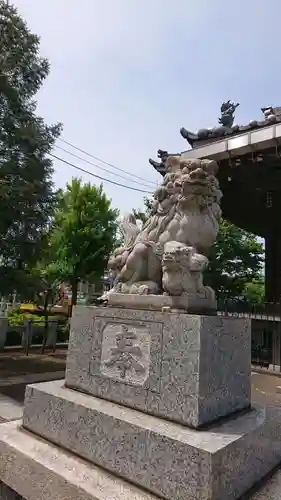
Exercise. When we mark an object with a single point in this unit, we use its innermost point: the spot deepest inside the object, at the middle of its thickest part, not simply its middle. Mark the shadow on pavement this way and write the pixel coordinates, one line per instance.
(15, 392)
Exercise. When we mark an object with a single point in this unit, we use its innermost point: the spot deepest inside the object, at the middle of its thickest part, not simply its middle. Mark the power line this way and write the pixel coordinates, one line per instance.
(102, 168)
(105, 162)
(98, 176)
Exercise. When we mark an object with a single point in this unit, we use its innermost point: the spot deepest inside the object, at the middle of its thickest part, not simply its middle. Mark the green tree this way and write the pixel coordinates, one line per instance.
(47, 278)
(84, 233)
(26, 191)
(254, 291)
(235, 262)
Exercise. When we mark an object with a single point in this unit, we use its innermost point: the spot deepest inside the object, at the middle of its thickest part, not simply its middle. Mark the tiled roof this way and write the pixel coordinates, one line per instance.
(205, 136)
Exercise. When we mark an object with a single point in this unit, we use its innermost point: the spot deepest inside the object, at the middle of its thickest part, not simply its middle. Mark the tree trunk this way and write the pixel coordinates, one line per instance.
(74, 292)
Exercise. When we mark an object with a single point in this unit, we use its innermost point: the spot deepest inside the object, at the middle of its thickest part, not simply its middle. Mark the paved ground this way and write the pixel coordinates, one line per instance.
(18, 370)
(17, 363)
(264, 389)
(9, 408)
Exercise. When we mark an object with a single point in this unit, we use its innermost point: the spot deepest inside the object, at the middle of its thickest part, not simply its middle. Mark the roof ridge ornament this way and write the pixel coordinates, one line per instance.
(227, 113)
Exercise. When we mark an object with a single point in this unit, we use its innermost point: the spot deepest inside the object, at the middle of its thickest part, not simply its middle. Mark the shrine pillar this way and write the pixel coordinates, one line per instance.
(273, 267)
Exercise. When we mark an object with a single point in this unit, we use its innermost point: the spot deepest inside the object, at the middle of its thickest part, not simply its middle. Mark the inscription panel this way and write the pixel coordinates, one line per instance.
(127, 351)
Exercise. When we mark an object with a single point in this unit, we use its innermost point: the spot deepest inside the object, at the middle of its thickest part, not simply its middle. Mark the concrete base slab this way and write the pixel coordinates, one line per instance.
(38, 470)
(168, 459)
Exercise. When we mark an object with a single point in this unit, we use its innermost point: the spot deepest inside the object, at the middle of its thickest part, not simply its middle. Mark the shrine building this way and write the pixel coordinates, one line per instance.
(249, 159)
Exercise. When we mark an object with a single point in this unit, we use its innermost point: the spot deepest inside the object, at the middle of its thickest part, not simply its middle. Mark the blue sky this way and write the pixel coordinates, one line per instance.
(126, 75)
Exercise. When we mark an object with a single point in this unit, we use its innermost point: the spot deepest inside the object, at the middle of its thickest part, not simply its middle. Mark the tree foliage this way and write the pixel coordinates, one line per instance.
(83, 234)
(235, 265)
(254, 291)
(143, 214)
(235, 262)
(26, 191)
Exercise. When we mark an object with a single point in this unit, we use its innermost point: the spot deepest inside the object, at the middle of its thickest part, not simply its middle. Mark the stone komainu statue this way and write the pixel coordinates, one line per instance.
(168, 255)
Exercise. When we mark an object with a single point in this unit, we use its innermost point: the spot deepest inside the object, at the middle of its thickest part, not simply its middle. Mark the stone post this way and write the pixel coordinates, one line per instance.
(3, 331)
(272, 267)
(52, 333)
(27, 334)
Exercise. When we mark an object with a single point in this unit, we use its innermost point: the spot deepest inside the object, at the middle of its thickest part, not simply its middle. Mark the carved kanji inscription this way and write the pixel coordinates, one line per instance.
(125, 352)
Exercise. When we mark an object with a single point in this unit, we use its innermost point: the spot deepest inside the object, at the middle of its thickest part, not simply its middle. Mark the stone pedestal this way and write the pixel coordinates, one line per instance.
(189, 369)
(190, 303)
(158, 400)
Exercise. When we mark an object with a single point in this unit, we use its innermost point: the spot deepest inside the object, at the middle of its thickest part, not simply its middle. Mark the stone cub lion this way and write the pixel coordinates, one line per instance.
(182, 270)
